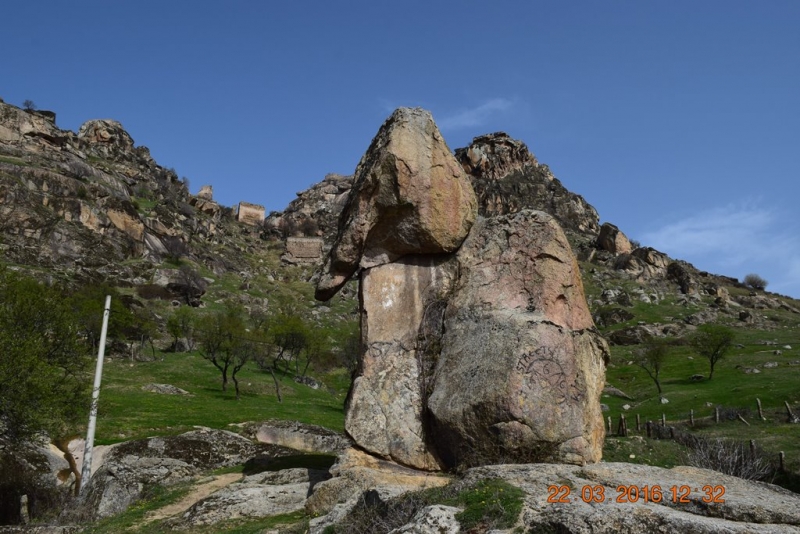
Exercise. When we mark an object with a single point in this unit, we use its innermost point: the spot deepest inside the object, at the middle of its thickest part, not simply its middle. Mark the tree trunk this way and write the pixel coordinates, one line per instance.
(235, 385)
(63, 445)
(277, 385)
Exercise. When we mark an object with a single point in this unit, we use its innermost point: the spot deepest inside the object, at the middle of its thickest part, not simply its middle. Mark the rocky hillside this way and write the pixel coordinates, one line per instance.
(92, 205)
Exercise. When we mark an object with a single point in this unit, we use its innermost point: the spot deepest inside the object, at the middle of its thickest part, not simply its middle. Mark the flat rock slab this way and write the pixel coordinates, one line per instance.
(742, 506)
(261, 495)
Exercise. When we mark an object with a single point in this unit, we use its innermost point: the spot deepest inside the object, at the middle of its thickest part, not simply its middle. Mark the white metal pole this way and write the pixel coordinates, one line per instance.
(86, 470)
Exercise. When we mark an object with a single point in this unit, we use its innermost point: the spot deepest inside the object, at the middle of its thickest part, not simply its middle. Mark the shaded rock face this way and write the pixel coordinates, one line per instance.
(521, 367)
(508, 178)
(613, 240)
(409, 196)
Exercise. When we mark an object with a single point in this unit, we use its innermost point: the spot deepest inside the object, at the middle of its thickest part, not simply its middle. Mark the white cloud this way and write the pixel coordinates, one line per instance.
(476, 116)
(734, 240)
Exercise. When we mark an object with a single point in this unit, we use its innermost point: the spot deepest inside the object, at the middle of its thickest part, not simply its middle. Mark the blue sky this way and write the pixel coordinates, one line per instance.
(679, 121)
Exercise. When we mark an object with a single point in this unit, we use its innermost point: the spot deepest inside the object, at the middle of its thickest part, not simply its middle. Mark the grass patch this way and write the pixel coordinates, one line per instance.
(128, 412)
(489, 504)
(130, 519)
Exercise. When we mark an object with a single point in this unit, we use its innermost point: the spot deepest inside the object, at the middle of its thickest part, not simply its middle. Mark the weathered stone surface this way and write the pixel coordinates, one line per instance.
(206, 192)
(410, 195)
(613, 240)
(521, 366)
(507, 178)
(749, 507)
(357, 472)
(386, 403)
(129, 466)
(317, 207)
(252, 214)
(262, 495)
(299, 436)
(303, 250)
(682, 275)
(164, 389)
(435, 519)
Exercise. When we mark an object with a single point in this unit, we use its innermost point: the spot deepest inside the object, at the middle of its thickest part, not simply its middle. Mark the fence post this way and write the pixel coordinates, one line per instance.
(789, 413)
(672, 432)
(610, 425)
(716, 414)
(753, 448)
(691, 417)
(663, 419)
(638, 423)
(743, 420)
(649, 429)
(781, 458)
(760, 410)
(24, 513)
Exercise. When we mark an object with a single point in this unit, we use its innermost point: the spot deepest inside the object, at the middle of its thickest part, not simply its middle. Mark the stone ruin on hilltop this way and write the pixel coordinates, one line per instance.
(477, 343)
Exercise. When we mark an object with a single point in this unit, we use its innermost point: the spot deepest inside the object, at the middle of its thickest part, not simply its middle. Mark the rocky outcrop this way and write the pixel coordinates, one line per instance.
(745, 507)
(357, 475)
(613, 240)
(409, 196)
(507, 178)
(604, 498)
(129, 467)
(315, 211)
(260, 495)
(489, 353)
(299, 436)
(521, 366)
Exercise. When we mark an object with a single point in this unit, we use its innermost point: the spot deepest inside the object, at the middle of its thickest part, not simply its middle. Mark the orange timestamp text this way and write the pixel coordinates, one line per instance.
(631, 494)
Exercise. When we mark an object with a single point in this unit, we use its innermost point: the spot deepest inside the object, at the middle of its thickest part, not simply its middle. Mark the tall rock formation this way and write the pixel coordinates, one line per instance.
(410, 203)
(409, 196)
(473, 352)
(521, 367)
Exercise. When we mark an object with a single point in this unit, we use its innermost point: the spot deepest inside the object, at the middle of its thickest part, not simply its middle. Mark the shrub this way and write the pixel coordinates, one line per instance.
(488, 504)
(754, 281)
(729, 457)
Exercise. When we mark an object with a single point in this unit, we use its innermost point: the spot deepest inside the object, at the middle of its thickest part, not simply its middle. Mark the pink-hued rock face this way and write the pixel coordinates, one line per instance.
(521, 367)
(410, 196)
(477, 342)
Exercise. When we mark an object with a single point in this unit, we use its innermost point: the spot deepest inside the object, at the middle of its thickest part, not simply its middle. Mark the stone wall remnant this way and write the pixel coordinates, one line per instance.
(252, 214)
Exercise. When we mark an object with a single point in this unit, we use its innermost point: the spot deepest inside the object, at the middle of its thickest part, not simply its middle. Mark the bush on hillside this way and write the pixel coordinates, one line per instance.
(754, 281)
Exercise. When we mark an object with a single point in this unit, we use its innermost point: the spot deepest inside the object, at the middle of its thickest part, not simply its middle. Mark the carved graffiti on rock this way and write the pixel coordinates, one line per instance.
(543, 366)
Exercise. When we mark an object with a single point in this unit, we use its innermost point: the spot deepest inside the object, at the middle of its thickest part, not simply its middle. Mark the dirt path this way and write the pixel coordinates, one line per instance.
(201, 491)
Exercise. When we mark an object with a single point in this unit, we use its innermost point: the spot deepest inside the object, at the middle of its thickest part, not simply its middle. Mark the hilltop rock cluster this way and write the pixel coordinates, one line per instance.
(80, 204)
(478, 345)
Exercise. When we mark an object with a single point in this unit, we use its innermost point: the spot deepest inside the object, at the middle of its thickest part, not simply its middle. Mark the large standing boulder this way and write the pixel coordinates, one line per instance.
(521, 367)
(480, 355)
(386, 406)
(409, 195)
